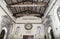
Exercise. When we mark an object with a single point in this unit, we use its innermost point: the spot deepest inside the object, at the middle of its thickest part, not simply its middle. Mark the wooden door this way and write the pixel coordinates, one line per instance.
(28, 37)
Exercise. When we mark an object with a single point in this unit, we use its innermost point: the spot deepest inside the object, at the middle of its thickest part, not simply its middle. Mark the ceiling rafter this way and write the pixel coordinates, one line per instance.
(29, 11)
(20, 15)
(16, 4)
(23, 13)
(35, 2)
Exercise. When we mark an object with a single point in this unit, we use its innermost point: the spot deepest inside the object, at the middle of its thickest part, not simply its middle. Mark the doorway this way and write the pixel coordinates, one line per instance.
(28, 37)
(52, 35)
(2, 34)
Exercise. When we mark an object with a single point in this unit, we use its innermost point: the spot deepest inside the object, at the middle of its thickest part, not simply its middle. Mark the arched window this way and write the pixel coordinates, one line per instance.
(52, 35)
(2, 34)
(58, 13)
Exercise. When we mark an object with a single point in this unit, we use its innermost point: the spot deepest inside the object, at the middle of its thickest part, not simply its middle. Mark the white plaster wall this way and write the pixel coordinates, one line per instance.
(2, 13)
(22, 31)
(20, 22)
(27, 19)
(55, 20)
(51, 4)
(4, 6)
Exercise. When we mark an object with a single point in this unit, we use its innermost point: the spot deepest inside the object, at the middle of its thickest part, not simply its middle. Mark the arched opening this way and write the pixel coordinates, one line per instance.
(45, 36)
(51, 33)
(2, 34)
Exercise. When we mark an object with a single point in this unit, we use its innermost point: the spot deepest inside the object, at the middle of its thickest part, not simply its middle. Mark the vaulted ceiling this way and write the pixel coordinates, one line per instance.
(28, 8)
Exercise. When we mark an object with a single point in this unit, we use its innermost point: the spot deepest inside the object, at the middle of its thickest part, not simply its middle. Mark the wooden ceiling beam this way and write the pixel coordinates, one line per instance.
(21, 2)
(19, 14)
(28, 11)
(31, 5)
(38, 15)
(37, 3)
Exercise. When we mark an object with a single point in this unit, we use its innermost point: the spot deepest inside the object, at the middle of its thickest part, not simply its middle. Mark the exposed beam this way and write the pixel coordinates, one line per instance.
(28, 5)
(26, 1)
(28, 13)
(19, 15)
(38, 15)
(34, 5)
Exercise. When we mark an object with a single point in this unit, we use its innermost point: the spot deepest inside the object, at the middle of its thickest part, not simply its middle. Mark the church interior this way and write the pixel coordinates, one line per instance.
(29, 19)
